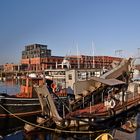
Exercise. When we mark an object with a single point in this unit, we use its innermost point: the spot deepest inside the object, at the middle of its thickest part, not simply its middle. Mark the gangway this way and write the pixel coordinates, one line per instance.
(47, 103)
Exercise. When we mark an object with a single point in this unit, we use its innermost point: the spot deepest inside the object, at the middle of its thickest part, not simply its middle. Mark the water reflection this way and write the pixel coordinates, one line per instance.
(55, 136)
(10, 86)
(49, 135)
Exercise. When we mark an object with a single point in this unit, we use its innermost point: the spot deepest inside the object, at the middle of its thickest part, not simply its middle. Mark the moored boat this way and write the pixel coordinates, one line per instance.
(15, 109)
(116, 102)
(119, 101)
(24, 106)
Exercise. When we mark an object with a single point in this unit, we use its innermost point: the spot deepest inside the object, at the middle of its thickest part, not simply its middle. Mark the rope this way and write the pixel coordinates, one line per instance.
(51, 129)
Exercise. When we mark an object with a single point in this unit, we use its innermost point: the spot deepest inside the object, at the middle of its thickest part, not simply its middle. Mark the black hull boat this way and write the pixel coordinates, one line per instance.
(23, 107)
(15, 111)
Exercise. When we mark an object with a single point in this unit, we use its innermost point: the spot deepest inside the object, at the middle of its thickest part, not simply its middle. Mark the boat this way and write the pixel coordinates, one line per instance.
(117, 102)
(108, 102)
(107, 112)
(24, 106)
(18, 108)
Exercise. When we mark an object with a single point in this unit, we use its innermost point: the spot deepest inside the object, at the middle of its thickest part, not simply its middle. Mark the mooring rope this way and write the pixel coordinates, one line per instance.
(51, 129)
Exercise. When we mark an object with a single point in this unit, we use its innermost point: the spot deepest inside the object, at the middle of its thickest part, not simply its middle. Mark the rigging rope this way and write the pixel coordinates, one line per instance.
(51, 129)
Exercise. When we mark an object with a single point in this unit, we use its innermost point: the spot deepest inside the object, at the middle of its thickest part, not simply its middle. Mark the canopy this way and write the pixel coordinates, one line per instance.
(110, 82)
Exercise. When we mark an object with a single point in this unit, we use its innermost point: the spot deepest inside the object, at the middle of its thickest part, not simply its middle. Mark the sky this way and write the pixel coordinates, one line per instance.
(69, 27)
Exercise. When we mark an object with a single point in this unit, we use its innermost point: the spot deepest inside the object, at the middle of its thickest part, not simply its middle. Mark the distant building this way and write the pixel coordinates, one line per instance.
(37, 57)
(95, 61)
(105, 61)
(8, 67)
(33, 56)
(1, 68)
(11, 67)
(36, 51)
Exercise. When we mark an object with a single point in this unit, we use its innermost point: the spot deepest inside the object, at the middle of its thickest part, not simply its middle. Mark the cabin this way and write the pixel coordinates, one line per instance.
(27, 84)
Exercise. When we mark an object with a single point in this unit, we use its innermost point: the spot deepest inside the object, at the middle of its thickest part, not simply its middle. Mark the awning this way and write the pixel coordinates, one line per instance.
(110, 82)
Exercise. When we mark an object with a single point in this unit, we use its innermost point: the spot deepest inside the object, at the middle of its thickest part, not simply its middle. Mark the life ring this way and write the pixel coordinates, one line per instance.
(112, 103)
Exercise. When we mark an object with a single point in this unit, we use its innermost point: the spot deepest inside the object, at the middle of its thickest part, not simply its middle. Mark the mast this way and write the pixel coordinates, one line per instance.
(78, 61)
(103, 63)
(93, 51)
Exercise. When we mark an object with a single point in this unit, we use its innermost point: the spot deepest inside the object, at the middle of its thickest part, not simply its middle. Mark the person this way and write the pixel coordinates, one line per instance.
(53, 86)
(110, 104)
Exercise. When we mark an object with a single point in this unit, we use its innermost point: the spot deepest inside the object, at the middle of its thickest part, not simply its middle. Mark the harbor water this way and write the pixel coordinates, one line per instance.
(12, 87)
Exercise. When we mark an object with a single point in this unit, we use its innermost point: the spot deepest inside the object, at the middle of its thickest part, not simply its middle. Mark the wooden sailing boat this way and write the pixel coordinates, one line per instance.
(113, 101)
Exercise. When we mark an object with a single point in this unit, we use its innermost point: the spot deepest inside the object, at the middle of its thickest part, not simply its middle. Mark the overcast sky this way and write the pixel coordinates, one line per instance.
(65, 24)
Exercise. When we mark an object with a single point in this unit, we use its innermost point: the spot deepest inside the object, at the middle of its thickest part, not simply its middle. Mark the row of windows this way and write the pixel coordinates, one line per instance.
(36, 52)
(30, 56)
(55, 73)
(35, 46)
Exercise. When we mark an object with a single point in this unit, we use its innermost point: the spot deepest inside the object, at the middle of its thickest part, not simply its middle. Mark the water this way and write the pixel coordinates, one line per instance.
(10, 87)
(44, 135)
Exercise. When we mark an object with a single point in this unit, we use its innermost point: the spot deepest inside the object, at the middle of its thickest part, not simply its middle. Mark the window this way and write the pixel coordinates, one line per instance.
(23, 82)
(70, 76)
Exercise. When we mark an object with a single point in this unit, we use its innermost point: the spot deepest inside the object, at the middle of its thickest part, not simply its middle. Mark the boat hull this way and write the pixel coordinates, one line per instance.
(98, 117)
(15, 112)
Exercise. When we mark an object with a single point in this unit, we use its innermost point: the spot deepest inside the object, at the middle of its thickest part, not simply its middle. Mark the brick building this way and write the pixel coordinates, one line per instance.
(33, 56)
(37, 57)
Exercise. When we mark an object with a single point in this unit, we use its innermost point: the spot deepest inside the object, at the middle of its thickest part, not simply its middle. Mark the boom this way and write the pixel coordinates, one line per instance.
(118, 70)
